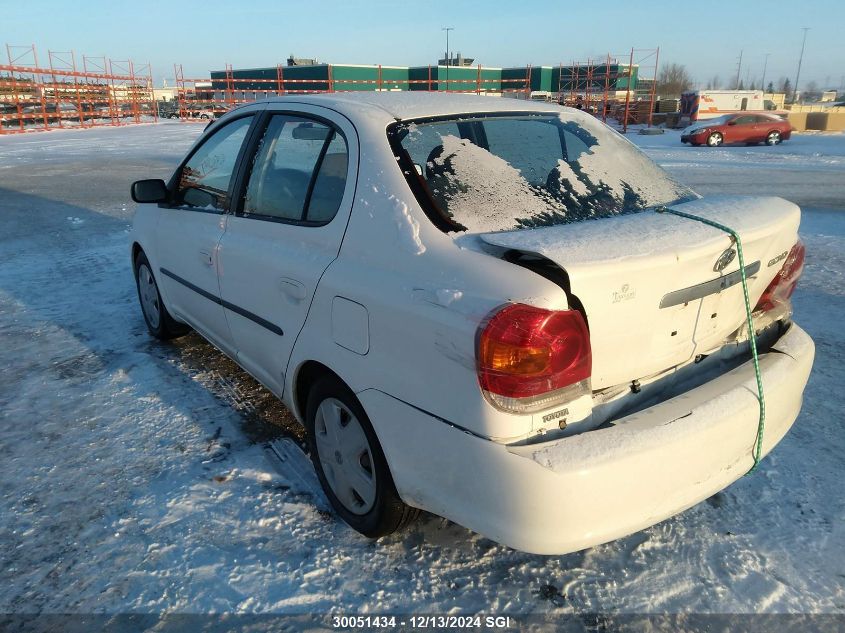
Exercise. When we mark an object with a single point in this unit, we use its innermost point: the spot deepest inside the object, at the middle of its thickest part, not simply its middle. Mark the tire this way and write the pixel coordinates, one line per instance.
(715, 139)
(158, 319)
(350, 463)
(773, 138)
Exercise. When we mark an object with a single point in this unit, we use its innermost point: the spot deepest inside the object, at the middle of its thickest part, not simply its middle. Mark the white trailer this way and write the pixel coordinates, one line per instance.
(707, 104)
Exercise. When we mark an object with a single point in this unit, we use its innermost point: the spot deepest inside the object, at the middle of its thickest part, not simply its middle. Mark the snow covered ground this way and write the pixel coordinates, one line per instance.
(134, 475)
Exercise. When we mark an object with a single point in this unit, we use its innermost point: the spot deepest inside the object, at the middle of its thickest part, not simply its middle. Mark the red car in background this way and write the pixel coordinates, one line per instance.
(741, 127)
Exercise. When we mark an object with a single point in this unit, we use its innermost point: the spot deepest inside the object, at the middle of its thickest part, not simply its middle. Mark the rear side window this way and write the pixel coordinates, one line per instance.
(330, 182)
(299, 172)
(205, 178)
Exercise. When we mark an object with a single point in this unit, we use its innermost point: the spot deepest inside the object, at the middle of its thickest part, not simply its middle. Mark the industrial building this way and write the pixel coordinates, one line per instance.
(253, 83)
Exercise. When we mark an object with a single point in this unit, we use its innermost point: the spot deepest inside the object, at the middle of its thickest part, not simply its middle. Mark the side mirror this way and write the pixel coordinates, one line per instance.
(153, 190)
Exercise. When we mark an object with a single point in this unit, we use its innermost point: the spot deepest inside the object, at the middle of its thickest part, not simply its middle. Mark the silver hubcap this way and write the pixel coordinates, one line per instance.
(774, 137)
(345, 456)
(149, 296)
(714, 139)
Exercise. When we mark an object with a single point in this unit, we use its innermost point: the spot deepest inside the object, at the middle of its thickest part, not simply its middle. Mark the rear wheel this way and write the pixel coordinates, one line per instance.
(350, 463)
(715, 139)
(773, 138)
(158, 319)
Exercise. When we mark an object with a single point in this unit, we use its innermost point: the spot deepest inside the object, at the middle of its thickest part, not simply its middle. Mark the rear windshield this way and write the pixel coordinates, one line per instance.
(497, 173)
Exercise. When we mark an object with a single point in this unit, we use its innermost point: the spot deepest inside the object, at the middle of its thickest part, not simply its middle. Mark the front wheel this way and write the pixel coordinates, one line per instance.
(715, 139)
(773, 138)
(158, 319)
(350, 463)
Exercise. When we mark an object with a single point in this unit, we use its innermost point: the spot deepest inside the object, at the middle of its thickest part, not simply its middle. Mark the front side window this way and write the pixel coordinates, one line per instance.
(299, 172)
(205, 178)
(529, 170)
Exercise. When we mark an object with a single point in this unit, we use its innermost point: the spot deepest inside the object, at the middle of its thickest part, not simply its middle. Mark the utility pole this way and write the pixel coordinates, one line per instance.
(765, 65)
(738, 71)
(448, 57)
(800, 59)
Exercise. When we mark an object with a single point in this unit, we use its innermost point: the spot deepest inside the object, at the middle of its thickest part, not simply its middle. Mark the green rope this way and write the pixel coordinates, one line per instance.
(758, 445)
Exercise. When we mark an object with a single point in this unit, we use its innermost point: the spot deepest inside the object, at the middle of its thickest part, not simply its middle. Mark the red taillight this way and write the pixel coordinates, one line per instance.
(525, 352)
(783, 285)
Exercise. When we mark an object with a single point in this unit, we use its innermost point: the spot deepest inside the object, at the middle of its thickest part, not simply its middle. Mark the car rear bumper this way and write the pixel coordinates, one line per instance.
(568, 494)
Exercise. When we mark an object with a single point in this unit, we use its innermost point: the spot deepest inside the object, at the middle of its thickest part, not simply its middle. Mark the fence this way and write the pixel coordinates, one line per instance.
(68, 94)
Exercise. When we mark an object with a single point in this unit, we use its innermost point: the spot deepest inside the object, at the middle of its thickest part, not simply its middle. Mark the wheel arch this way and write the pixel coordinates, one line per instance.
(136, 250)
(307, 374)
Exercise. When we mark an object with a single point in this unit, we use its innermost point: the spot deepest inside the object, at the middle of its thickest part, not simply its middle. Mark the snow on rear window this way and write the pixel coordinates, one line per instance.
(498, 173)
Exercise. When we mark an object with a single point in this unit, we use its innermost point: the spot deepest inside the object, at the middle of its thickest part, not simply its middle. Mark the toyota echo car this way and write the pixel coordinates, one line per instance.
(487, 309)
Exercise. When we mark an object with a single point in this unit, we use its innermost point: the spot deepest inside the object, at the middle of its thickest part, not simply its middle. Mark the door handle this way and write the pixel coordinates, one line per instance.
(294, 289)
(205, 258)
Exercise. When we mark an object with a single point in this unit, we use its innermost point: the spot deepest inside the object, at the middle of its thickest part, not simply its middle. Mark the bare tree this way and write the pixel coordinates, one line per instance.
(714, 83)
(811, 91)
(672, 80)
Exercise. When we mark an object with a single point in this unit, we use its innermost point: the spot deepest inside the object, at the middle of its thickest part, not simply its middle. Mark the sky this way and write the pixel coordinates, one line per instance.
(207, 35)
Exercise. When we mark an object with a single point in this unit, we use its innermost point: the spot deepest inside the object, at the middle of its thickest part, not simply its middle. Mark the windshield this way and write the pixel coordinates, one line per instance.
(719, 120)
(497, 173)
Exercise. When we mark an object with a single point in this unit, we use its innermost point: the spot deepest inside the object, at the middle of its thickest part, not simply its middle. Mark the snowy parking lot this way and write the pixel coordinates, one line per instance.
(135, 476)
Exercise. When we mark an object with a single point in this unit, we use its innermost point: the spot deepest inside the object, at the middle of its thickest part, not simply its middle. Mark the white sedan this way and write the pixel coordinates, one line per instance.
(494, 310)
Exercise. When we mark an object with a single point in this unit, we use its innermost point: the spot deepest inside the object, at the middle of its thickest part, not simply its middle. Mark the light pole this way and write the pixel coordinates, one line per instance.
(448, 58)
(800, 59)
(765, 65)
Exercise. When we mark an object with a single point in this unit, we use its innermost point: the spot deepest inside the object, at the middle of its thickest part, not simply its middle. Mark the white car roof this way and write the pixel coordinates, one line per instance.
(413, 105)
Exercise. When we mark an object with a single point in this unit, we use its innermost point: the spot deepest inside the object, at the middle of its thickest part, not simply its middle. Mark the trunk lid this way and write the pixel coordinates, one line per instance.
(649, 282)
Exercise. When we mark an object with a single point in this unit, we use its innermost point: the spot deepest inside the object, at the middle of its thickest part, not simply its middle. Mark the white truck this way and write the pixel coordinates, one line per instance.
(707, 104)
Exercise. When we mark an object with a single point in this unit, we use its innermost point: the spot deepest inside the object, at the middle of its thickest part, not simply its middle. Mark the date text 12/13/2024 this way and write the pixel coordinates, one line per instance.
(422, 621)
